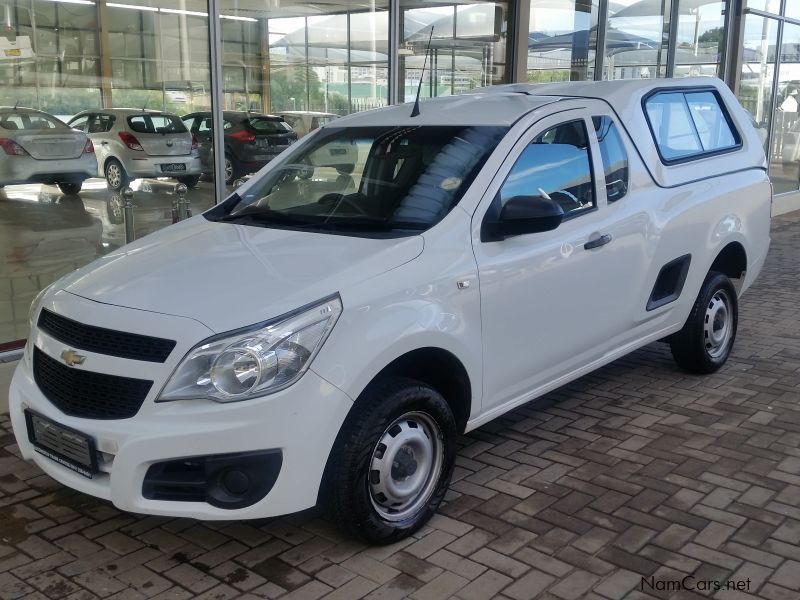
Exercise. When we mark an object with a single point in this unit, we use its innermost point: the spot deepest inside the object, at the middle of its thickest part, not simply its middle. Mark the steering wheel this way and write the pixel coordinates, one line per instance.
(337, 200)
(569, 196)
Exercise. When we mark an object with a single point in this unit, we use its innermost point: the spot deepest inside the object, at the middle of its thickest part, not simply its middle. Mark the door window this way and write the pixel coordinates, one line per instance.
(555, 165)
(100, 123)
(615, 159)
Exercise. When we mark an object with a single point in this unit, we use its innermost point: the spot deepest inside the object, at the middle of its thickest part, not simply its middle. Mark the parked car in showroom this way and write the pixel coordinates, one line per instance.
(39, 148)
(133, 143)
(305, 121)
(251, 140)
(388, 283)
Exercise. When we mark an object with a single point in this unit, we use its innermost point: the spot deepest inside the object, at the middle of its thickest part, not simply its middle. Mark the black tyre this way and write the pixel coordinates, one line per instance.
(233, 169)
(706, 340)
(190, 181)
(392, 461)
(116, 177)
(70, 187)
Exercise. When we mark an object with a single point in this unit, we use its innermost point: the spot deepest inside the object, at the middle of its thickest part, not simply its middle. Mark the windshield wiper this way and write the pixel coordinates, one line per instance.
(266, 216)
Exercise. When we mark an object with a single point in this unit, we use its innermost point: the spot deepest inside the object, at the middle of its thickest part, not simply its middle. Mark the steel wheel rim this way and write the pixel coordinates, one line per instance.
(718, 324)
(114, 175)
(228, 169)
(405, 466)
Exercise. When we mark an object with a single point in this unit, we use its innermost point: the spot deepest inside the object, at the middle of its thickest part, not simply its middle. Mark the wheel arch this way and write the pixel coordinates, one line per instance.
(731, 260)
(434, 366)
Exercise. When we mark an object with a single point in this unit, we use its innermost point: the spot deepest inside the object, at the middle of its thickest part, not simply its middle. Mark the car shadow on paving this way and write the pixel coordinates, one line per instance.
(618, 485)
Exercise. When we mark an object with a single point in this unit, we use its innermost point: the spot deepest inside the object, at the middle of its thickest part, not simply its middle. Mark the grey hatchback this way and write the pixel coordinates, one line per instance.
(251, 140)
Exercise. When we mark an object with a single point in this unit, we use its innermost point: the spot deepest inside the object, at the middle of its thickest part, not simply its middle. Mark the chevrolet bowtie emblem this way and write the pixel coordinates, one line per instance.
(72, 358)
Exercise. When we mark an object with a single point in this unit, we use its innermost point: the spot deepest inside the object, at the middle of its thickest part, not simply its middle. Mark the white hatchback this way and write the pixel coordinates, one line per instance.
(134, 143)
(388, 283)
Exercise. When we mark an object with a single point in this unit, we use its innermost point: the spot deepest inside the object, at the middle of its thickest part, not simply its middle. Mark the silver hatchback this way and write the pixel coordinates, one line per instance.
(38, 148)
(134, 143)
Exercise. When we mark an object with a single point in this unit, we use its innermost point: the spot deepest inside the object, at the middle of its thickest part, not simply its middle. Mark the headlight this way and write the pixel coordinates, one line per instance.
(254, 361)
(35, 304)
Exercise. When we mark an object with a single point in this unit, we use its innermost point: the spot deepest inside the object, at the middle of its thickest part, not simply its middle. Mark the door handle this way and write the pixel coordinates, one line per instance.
(597, 242)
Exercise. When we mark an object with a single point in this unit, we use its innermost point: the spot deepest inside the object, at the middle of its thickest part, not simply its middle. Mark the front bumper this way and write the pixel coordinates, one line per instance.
(301, 422)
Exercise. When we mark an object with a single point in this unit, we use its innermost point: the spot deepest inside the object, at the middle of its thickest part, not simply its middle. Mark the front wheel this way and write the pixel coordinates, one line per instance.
(116, 177)
(706, 340)
(393, 461)
(70, 187)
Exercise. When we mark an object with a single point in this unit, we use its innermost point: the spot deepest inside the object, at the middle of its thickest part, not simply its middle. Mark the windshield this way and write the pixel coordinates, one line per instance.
(147, 123)
(264, 125)
(395, 180)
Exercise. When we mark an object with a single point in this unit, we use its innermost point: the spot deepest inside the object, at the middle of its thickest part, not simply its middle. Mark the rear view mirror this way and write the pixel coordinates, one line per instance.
(521, 215)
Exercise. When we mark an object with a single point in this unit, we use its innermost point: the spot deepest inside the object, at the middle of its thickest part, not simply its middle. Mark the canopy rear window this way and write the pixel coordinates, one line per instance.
(690, 124)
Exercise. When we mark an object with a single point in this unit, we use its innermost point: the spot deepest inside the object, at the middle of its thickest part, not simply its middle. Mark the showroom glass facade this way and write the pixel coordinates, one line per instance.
(311, 62)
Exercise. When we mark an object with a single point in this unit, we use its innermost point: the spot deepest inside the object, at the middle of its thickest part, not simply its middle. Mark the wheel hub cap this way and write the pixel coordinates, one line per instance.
(405, 466)
(717, 326)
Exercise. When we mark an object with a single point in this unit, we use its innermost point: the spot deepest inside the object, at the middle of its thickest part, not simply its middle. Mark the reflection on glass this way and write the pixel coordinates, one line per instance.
(562, 40)
(785, 160)
(758, 70)
(636, 39)
(772, 6)
(701, 37)
(468, 49)
(81, 61)
(325, 65)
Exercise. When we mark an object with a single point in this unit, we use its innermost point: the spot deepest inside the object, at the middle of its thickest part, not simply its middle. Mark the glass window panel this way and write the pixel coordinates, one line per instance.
(793, 9)
(701, 37)
(636, 39)
(468, 49)
(784, 167)
(615, 158)
(710, 121)
(773, 6)
(562, 40)
(555, 165)
(758, 70)
(672, 126)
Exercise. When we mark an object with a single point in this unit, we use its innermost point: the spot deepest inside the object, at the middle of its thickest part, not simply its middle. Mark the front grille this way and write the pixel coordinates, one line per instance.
(105, 341)
(85, 394)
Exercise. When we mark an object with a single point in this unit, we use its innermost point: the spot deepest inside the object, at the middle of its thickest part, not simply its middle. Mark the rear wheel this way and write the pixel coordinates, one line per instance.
(70, 187)
(232, 169)
(116, 177)
(706, 340)
(189, 181)
(393, 461)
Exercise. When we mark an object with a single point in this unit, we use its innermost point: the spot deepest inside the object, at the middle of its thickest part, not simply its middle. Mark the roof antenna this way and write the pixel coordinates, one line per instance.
(415, 110)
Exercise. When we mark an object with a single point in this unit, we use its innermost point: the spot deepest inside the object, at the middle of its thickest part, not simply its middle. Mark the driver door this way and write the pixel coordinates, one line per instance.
(543, 294)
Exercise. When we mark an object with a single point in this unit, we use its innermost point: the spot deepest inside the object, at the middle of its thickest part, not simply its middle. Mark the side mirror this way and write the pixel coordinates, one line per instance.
(522, 215)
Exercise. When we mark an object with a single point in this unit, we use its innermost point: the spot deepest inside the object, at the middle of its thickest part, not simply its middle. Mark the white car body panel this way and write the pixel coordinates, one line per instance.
(522, 316)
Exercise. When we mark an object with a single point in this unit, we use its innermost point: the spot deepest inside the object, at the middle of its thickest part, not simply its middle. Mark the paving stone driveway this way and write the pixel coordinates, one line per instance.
(637, 470)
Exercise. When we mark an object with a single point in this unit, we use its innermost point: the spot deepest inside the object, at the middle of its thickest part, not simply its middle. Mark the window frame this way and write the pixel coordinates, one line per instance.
(683, 90)
(619, 129)
(587, 125)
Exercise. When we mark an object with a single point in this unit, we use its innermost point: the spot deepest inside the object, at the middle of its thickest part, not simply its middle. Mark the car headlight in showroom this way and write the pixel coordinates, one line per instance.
(254, 361)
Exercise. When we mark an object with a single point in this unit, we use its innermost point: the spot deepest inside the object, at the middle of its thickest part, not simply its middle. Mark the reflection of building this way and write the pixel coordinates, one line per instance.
(340, 56)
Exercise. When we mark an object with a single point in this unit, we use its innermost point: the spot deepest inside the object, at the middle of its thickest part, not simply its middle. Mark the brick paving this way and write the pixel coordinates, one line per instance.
(637, 470)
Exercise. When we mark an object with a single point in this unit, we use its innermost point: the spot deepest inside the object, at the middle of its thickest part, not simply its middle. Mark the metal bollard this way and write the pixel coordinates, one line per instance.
(127, 212)
(184, 208)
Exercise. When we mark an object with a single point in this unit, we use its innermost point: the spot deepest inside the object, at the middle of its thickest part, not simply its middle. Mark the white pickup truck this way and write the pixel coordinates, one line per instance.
(391, 281)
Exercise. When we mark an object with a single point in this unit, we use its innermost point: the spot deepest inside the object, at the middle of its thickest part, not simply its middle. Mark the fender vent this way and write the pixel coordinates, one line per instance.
(669, 283)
